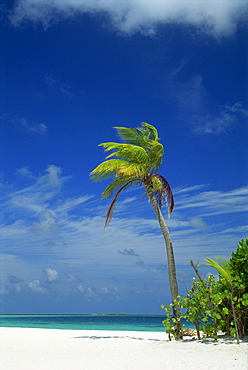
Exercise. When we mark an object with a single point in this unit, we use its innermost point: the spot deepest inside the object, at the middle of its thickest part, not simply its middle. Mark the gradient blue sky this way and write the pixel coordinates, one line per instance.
(70, 72)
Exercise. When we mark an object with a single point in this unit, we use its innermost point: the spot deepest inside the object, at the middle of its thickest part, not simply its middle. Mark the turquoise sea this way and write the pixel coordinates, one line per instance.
(86, 322)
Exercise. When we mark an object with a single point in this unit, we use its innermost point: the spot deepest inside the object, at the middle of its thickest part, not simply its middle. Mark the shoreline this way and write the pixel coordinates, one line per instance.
(41, 349)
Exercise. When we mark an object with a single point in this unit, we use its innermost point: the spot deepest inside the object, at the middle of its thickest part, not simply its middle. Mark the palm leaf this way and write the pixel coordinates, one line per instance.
(155, 152)
(153, 133)
(164, 191)
(121, 181)
(128, 135)
(107, 169)
(113, 203)
(138, 158)
(221, 269)
(156, 183)
(127, 169)
(139, 136)
(129, 152)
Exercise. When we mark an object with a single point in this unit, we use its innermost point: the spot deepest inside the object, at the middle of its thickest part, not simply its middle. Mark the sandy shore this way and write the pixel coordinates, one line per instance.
(86, 349)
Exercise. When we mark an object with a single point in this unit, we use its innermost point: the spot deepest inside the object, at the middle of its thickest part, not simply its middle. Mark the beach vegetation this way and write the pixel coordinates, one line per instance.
(217, 305)
(134, 162)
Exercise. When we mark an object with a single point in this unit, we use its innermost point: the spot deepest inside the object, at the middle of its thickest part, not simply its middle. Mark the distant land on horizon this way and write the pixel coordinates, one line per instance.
(78, 314)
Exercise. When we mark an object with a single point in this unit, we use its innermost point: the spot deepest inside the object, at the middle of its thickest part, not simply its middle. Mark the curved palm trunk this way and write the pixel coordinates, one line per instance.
(170, 256)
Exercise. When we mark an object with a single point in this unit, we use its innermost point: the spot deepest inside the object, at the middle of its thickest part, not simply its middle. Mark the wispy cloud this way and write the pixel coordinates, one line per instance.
(25, 172)
(213, 125)
(184, 91)
(198, 223)
(57, 85)
(215, 202)
(215, 19)
(4, 291)
(237, 108)
(221, 123)
(54, 245)
(53, 177)
(35, 198)
(46, 224)
(190, 94)
(32, 128)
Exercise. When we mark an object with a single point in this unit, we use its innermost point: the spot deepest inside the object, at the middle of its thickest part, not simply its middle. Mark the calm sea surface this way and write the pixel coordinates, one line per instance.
(86, 322)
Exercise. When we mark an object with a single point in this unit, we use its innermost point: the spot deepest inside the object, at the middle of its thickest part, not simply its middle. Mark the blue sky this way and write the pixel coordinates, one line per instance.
(72, 71)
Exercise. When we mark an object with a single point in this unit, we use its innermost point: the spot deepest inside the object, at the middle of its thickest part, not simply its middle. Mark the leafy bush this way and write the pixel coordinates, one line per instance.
(239, 262)
(217, 305)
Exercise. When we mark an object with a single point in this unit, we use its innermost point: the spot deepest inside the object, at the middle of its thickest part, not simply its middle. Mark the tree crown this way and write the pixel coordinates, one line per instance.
(132, 162)
(137, 158)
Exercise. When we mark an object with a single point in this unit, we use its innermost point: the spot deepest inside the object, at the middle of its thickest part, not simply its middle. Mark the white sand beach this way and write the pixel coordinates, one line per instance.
(94, 349)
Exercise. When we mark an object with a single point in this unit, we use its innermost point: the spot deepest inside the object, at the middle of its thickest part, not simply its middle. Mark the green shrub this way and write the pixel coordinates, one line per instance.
(217, 305)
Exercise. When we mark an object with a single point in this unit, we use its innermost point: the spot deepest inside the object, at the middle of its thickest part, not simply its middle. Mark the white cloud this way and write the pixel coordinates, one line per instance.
(52, 275)
(129, 16)
(221, 123)
(105, 290)
(213, 125)
(237, 108)
(13, 229)
(25, 172)
(81, 288)
(3, 291)
(71, 277)
(188, 189)
(36, 287)
(53, 178)
(198, 223)
(205, 222)
(34, 199)
(18, 287)
(90, 292)
(215, 202)
(69, 204)
(30, 127)
(87, 292)
(47, 224)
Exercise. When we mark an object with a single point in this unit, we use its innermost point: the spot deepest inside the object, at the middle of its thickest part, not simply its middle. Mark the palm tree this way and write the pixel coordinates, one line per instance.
(136, 161)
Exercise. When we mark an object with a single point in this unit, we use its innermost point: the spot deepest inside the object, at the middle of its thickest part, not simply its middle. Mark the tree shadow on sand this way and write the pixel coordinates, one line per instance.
(94, 337)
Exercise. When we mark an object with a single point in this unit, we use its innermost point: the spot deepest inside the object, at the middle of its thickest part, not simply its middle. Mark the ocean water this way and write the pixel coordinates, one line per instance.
(87, 322)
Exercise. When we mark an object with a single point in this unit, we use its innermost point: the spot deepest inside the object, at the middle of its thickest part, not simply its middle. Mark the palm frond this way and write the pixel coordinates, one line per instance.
(128, 135)
(113, 203)
(155, 153)
(222, 270)
(135, 160)
(157, 189)
(153, 133)
(222, 261)
(107, 169)
(121, 181)
(128, 169)
(164, 191)
(110, 145)
(156, 183)
(129, 152)
(138, 136)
